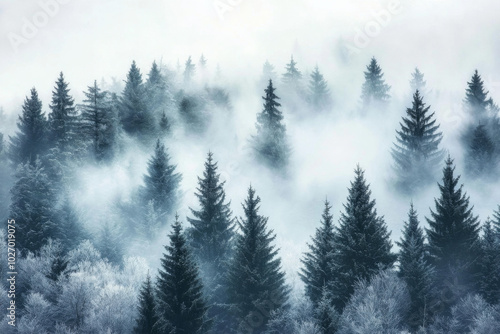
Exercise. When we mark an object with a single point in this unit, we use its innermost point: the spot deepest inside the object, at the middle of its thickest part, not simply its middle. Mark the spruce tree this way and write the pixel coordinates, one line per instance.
(481, 158)
(62, 117)
(30, 141)
(317, 271)
(453, 236)
(165, 125)
(362, 242)
(110, 243)
(374, 91)
(417, 81)
(476, 97)
(416, 152)
(496, 222)
(416, 270)
(292, 77)
(189, 71)
(161, 183)
(135, 116)
(181, 307)
(319, 94)
(147, 316)
(98, 123)
(489, 287)
(271, 144)
(256, 283)
(268, 73)
(327, 318)
(157, 90)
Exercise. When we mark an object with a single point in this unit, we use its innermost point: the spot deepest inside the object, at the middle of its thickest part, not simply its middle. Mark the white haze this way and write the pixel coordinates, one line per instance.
(90, 40)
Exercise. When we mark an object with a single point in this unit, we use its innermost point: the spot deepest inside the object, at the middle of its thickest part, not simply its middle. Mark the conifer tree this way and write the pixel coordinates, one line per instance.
(271, 144)
(317, 271)
(416, 270)
(362, 242)
(98, 123)
(374, 91)
(181, 307)
(165, 125)
(416, 152)
(268, 73)
(496, 222)
(110, 244)
(161, 181)
(136, 118)
(30, 141)
(157, 90)
(417, 81)
(189, 71)
(453, 236)
(70, 231)
(327, 317)
(147, 316)
(319, 94)
(476, 97)
(62, 119)
(292, 77)
(203, 62)
(256, 283)
(481, 158)
(490, 264)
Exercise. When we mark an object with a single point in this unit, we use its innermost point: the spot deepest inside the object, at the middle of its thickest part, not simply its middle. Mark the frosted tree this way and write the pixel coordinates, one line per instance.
(319, 93)
(374, 91)
(157, 92)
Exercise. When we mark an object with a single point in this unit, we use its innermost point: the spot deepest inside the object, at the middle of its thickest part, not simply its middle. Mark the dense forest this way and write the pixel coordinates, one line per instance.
(107, 240)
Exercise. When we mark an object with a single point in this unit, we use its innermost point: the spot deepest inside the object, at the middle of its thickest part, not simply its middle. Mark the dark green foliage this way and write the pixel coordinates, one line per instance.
(317, 271)
(481, 158)
(256, 283)
(374, 91)
(326, 316)
(99, 123)
(30, 141)
(271, 144)
(181, 307)
(191, 110)
(161, 183)
(362, 242)
(157, 92)
(490, 264)
(416, 271)
(147, 317)
(417, 81)
(416, 153)
(319, 94)
(165, 125)
(62, 119)
(453, 237)
(476, 97)
(5, 177)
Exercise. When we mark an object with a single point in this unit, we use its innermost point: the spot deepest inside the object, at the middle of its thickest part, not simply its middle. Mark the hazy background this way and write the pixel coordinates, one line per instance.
(98, 39)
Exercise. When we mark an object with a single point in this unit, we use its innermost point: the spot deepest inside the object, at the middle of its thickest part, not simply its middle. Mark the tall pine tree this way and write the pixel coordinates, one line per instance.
(271, 144)
(476, 97)
(62, 118)
(453, 236)
(292, 77)
(181, 307)
(317, 271)
(189, 71)
(157, 91)
(416, 153)
(319, 94)
(417, 81)
(362, 242)
(481, 157)
(256, 283)
(147, 316)
(489, 287)
(374, 91)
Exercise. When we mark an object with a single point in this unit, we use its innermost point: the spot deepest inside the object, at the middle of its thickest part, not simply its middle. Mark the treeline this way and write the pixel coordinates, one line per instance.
(221, 273)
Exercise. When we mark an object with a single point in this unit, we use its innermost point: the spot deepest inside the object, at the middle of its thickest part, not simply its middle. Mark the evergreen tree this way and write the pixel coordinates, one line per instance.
(416, 271)
(164, 124)
(375, 90)
(490, 264)
(417, 81)
(30, 140)
(157, 92)
(62, 117)
(481, 158)
(496, 222)
(32, 207)
(181, 307)
(271, 143)
(135, 117)
(256, 283)
(161, 181)
(268, 73)
(110, 244)
(70, 231)
(292, 77)
(147, 317)
(98, 123)
(362, 242)
(416, 153)
(476, 97)
(327, 317)
(453, 237)
(203, 62)
(317, 271)
(189, 71)
(319, 94)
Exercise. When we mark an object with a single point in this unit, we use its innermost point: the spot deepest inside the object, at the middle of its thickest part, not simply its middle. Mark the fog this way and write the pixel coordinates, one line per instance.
(97, 40)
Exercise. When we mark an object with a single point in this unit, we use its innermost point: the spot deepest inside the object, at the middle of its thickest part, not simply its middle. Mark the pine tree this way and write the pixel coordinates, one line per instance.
(256, 283)
(110, 243)
(136, 118)
(327, 317)
(32, 207)
(292, 77)
(147, 317)
(417, 81)
(416, 153)
(98, 123)
(30, 140)
(164, 124)
(203, 62)
(271, 144)
(362, 242)
(62, 117)
(453, 237)
(70, 231)
(490, 264)
(496, 222)
(476, 97)
(268, 73)
(317, 271)
(416, 270)
(189, 71)
(374, 91)
(157, 92)
(161, 181)
(181, 307)
(481, 158)
(319, 94)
